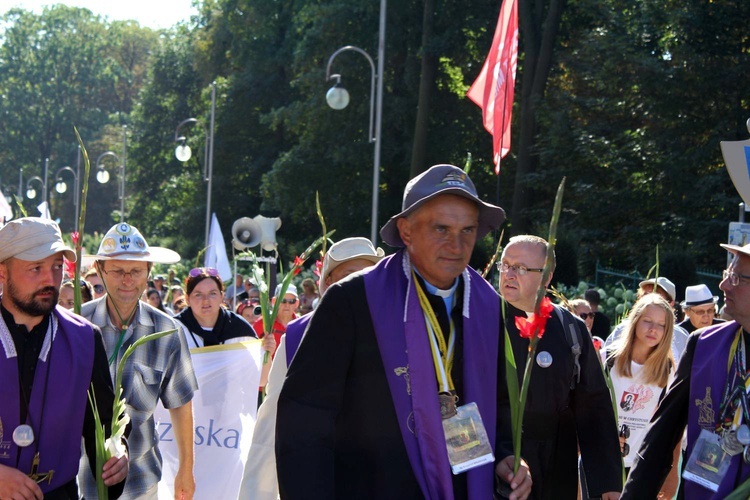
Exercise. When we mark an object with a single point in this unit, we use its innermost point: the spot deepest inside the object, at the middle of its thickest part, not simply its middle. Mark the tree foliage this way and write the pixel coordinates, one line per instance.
(628, 100)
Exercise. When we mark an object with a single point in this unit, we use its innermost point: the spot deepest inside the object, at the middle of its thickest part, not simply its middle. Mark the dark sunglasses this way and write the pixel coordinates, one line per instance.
(201, 271)
(586, 315)
(98, 288)
(288, 301)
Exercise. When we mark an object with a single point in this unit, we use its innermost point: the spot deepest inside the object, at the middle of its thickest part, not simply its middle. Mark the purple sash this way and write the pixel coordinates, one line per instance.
(69, 362)
(404, 347)
(294, 332)
(708, 376)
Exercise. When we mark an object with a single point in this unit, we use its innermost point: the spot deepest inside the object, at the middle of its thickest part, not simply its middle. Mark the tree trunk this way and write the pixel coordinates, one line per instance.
(426, 86)
(539, 37)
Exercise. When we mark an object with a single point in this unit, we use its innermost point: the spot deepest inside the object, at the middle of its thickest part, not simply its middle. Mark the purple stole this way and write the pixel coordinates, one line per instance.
(294, 332)
(71, 361)
(708, 376)
(402, 338)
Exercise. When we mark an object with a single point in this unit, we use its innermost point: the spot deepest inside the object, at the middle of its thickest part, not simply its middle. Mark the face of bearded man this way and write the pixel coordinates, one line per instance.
(37, 303)
(33, 288)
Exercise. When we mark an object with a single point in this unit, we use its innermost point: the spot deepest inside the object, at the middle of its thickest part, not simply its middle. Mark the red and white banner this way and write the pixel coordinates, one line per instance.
(494, 87)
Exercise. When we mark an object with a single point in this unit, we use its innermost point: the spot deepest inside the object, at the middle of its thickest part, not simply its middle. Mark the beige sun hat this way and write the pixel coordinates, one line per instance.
(125, 242)
(32, 239)
(346, 250)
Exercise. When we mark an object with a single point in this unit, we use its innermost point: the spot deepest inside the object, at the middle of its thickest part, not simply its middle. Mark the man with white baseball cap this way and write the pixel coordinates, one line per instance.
(341, 260)
(158, 370)
(699, 307)
(399, 358)
(49, 358)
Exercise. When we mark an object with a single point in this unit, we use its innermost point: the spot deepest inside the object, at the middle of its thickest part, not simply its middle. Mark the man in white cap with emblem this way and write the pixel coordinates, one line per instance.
(393, 392)
(49, 358)
(699, 307)
(342, 259)
(158, 370)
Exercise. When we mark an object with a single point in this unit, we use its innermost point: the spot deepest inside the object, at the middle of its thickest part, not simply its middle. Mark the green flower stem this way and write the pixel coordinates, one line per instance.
(269, 315)
(101, 452)
(518, 403)
(77, 298)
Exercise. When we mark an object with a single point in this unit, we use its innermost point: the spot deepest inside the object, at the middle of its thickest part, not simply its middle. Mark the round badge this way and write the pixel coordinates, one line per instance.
(544, 359)
(743, 434)
(23, 435)
(123, 228)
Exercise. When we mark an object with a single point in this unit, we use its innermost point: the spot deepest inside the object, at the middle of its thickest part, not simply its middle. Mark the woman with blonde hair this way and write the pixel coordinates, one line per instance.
(641, 368)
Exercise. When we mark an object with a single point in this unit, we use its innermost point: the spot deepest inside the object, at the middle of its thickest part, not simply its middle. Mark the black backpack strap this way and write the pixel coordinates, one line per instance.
(572, 334)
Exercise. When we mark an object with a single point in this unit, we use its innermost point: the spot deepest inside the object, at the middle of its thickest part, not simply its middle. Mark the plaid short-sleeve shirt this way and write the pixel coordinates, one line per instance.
(158, 370)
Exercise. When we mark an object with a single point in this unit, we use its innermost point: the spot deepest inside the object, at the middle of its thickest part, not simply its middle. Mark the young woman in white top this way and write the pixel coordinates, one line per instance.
(641, 368)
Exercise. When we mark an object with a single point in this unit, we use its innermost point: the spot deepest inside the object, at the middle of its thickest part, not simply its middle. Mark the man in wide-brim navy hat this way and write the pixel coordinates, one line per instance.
(393, 359)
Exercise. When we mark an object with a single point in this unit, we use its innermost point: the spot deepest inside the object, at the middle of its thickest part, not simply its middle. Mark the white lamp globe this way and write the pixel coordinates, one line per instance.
(337, 97)
(102, 176)
(182, 152)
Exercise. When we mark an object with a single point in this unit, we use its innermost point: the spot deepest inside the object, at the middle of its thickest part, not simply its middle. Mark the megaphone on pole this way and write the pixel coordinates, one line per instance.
(247, 232)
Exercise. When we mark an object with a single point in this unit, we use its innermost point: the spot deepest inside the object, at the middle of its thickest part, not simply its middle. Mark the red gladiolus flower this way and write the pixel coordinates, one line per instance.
(297, 265)
(318, 268)
(527, 326)
(75, 236)
(70, 268)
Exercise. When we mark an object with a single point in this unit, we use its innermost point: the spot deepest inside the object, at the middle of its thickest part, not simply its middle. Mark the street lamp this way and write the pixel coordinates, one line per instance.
(337, 98)
(183, 153)
(61, 187)
(30, 191)
(102, 176)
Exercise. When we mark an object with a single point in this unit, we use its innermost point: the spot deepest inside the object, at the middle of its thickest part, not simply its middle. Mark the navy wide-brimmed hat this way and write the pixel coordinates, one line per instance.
(439, 180)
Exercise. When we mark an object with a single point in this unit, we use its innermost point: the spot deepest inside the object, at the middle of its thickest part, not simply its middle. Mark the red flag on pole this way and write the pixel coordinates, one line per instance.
(493, 89)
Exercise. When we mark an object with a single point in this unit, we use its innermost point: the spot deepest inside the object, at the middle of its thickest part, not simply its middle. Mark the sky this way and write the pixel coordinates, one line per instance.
(154, 14)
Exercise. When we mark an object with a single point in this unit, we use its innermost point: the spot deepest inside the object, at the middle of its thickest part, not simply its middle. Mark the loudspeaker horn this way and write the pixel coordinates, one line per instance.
(246, 233)
(268, 228)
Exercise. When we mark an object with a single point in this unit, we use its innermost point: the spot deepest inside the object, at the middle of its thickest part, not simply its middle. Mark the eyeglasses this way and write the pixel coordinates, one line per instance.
(254, 300)
(288, 301)
(735, 278)
(585, 316)
(503, 267)
(201, 271)
(710, 311)
(119, 274)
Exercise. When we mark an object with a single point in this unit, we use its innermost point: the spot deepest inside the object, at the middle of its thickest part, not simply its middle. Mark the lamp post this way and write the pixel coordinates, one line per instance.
(30, 191)
(338, 98)
(61, 187)
(183, 153)
(102, 176)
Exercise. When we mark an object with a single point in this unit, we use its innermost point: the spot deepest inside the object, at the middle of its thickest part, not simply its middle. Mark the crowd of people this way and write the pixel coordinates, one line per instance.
(386, 379)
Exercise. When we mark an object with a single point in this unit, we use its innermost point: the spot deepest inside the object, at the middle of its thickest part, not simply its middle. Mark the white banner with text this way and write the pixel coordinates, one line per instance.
(224, 411)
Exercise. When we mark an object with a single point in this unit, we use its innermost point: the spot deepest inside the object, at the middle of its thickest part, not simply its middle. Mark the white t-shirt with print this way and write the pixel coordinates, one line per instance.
(636, 403)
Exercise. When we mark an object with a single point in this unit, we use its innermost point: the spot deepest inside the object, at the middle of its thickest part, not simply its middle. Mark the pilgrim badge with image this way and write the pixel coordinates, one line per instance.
(466, 439)
(708, 463)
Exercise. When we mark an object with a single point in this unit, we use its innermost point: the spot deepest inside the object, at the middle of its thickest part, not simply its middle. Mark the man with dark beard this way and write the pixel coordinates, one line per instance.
(48, 360)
